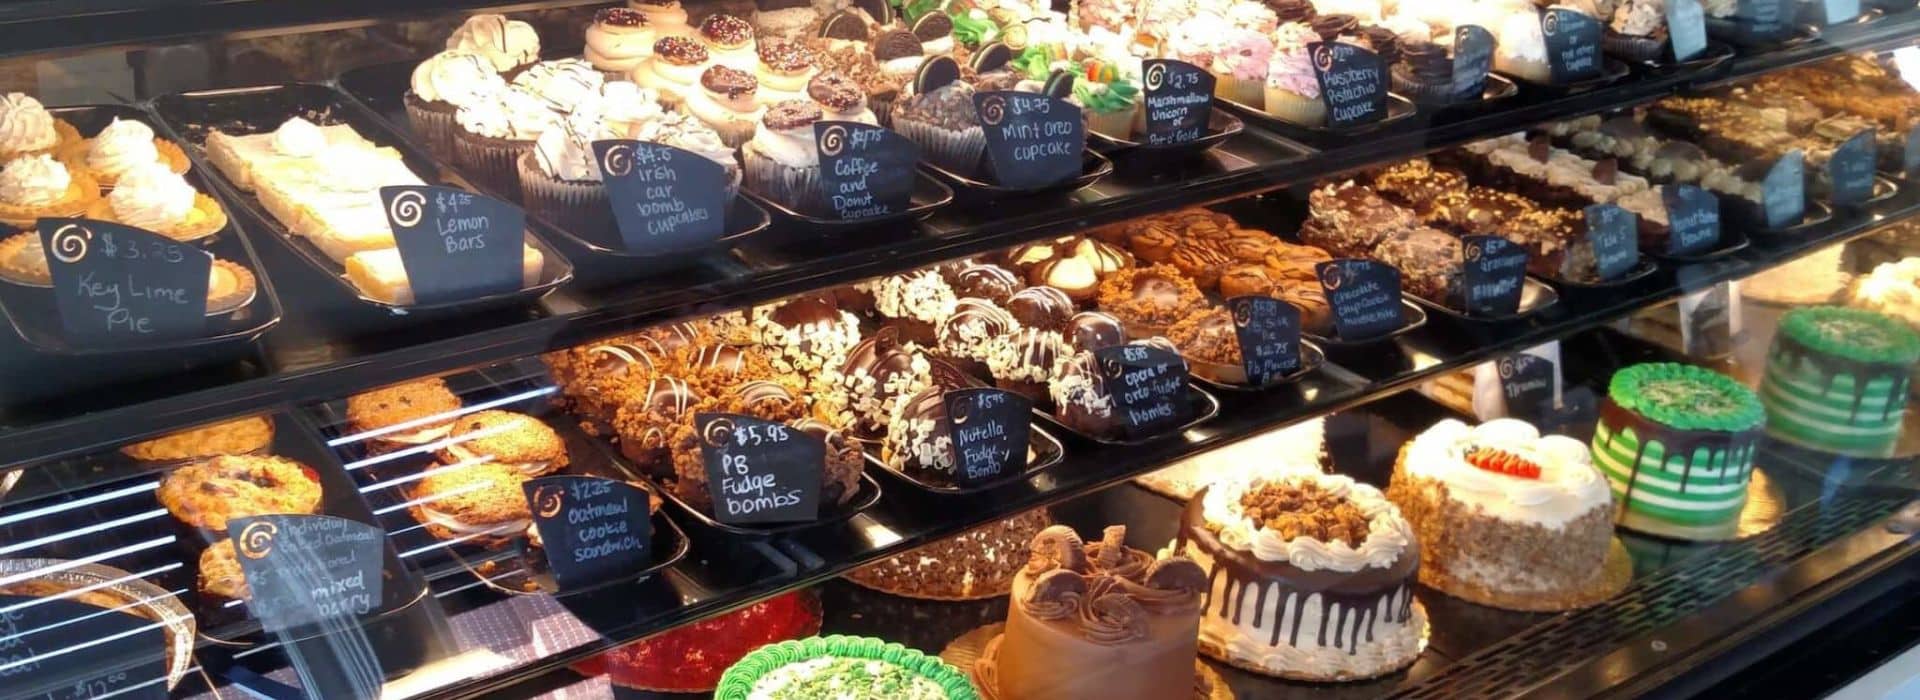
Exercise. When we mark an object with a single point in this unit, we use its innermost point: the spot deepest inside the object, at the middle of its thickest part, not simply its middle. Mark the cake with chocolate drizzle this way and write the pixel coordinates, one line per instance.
(1837, 380)
(1676, 443)
(1309, 577)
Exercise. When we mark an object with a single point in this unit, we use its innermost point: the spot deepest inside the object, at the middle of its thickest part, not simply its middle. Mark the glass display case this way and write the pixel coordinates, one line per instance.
(957, 349)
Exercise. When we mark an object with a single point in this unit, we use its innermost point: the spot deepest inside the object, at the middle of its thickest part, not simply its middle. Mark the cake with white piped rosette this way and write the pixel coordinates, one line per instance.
(1507, 517)
(1310, 577)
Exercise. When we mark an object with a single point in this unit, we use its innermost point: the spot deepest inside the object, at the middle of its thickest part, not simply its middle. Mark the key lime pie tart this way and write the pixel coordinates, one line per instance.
(1836, 380)
(843, 668)
(152, 198)
(123, 146)
(1676, 443)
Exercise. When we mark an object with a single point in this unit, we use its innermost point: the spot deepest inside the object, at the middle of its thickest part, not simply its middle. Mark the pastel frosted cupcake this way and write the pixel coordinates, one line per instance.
(618, 41)
(939, 116)
(153, 198)
(124, 146)
(26, 128)
(666, 17)
(37, 186)
(1240, 67)
(785, 67)
(729, 40)
(1293, 91)
(840, 99)
(508, 45)
(494, 134)
(782, 162)
(1108, 99)
(674, 70)
(440, 86)
(560, 178)
(728, 102)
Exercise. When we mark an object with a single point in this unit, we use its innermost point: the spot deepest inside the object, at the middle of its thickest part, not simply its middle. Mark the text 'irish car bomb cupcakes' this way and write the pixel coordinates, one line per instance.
(1310, 577)
(1096, 621)
(1508, 517)
(1837, 380)
(1677, 443)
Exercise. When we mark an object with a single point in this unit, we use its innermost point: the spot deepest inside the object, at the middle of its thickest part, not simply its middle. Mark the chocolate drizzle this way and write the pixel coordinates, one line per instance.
(1739, 447)
(1789, 351)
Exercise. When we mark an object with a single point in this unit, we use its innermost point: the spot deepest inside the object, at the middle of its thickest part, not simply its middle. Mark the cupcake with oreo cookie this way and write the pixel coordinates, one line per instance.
(781, 161)
(939, 116)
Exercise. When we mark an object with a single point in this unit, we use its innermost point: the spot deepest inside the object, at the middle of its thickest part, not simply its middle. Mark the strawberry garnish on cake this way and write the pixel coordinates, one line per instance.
(1501, 461)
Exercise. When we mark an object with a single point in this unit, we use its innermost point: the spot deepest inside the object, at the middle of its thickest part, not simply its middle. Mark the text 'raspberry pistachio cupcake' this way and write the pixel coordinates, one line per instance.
(1310, 577)
(618, 41)
(730, 40)
(939, 116)
(782, 162)
(439, 87)
(727, 100)
(1508, 517)
(1837, 380)
(674, 69)
(1677, 444)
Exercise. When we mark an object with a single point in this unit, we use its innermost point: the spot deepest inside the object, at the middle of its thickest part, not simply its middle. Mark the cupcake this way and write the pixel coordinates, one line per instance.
(618, 40)
(565, 85)
(494, 134)
(666, 17)
(560, 179)
(37, 186)
(785, 67)
(1424, 72)
(1239, 67)
(154, 198)
(939, 116)
(993, 68)
(1108, 98)
(840, 99)
(790, 20)
(624, 107)
(1521, 45)
(729, 40)
(881, 88)
(27, 129)
(686, 133)
(1638, 31)
(782, 160)
(674, 69)
(727, 101)
(508, 45)
(440, 86)
(1293, 90)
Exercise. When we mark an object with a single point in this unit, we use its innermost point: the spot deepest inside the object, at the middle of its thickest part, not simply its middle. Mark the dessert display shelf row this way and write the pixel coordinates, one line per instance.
(308, 358)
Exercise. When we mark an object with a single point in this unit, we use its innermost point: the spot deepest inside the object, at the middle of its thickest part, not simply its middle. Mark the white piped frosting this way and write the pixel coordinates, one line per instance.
(1569, 485)
(1388, 534)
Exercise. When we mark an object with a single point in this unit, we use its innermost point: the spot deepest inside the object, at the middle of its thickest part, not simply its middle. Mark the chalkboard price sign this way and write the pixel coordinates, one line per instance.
(1472, 59)
(1353, 82)
(1838, 11)
(1148, 384)
(1033, 140)
(1573, 45)
(760, 471)
(664, 199)
(1268, 331)
(865, 171)
(1179, 101)
(1364, 296)
(119, 285)
(1615, 236)
(1764, 18)
(1783, 191)
(59, 649)
(1850, 169)
(990, 431)
(1693, 219)
(1526, 381)
(308, 569)
(455, 244)
(592, 530)
(1494, 273)
(1910, 160)
(1686, 29)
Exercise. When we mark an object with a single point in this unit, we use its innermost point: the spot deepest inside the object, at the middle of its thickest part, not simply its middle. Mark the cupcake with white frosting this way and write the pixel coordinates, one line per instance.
(618, 41)
(507, 45)
(26, 128)
(564, 84)
(674, 69)
(560, 178)
(782, 162)
(495, 133)
(730, 40)
(440, 86)
(154, 198)
(727, 101)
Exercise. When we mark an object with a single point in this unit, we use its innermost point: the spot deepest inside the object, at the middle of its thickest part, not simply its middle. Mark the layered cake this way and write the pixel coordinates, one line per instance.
(1310, 577)
(1508, 517)
(1096, 621)
(1676, 442)
(1836, 380)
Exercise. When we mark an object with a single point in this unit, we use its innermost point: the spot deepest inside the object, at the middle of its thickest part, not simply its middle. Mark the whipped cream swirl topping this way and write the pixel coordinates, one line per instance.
(299, 138)
(151, 197)
(1566, 487)
(1387, 537)
(457, 78)
(122, 146)
(35, 180)
(25, 124)
(566, 153)
(505, 43)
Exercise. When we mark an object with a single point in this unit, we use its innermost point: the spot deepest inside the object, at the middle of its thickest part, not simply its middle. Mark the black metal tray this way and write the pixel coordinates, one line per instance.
(1640, 270)
(1398, 109)
(1413, 315)
(192, 116)
(1611, 71)
(32, 313)
(1221, 125)
(1498, 88)
(1716, 53)
(1534, 296)
(1217, 375)
(1201, 405)
(1733, 239)
(1817, 213)
(928, 194)
(1093, 166)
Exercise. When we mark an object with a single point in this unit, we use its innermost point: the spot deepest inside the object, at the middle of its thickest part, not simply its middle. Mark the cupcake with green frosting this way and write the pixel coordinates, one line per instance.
(1836, 380)
(1108, 98)
(1676, 443)
(842, 668)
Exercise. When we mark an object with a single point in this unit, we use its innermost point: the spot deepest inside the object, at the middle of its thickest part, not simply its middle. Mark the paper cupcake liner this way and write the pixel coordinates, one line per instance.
(734, 134)
(578, 207)
(434, 124)
(958, 151)
(797, 188)
(737, 683)
(882, 110)
(1291, 107)
(1633, 48)
(1249, 92)
(1422, 90)
(491, 162)
(1117, 125)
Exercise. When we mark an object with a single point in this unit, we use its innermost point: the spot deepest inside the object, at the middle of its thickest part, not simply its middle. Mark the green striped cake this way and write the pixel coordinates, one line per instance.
(1676, 443)
(1837, 380)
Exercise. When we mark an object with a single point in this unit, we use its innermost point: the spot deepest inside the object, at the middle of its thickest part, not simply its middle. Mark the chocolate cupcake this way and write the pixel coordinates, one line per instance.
(1424, 72)
(939, 116)
(1331, 27)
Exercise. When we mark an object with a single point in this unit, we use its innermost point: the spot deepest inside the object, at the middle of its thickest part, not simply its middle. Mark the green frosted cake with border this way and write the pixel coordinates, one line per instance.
(1676, 443)
(1837, 378)
(854, 668)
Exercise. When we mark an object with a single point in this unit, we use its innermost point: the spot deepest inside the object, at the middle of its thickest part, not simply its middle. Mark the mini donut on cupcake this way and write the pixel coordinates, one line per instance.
(674, 68)
(728, 101)
(784, 69)
(840, 98)
(666, 17)
(730, 40)
(618, 40)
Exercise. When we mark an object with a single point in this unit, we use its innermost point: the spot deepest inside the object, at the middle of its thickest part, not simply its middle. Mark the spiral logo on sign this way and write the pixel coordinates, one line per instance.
(719, 432)
(1473, 252)
(1506, 368)
(993, 110)
(1331, 277)
(1323, 57)
(959, 413)
(1156, 76)
(619, 160)
(1242, 315)
(1552, 24)
(257, 539)
(407, 208)
(833, 141)
(1460, 35)
(546, 501)
(70, 243)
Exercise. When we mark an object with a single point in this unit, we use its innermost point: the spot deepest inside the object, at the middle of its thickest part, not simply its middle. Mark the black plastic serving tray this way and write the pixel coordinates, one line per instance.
(1498, 88)
(1733, 239)
(1221, 125)
(32, 313)
(1399, 109)
(1640, 270)
(928, 194)
(1412, 314)
(1611, 71)
(1215, 374)
(1716, 53)
(192, 116)
(1093, 166)
(1044, 450)
(1201, 406)
(1535, 296)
